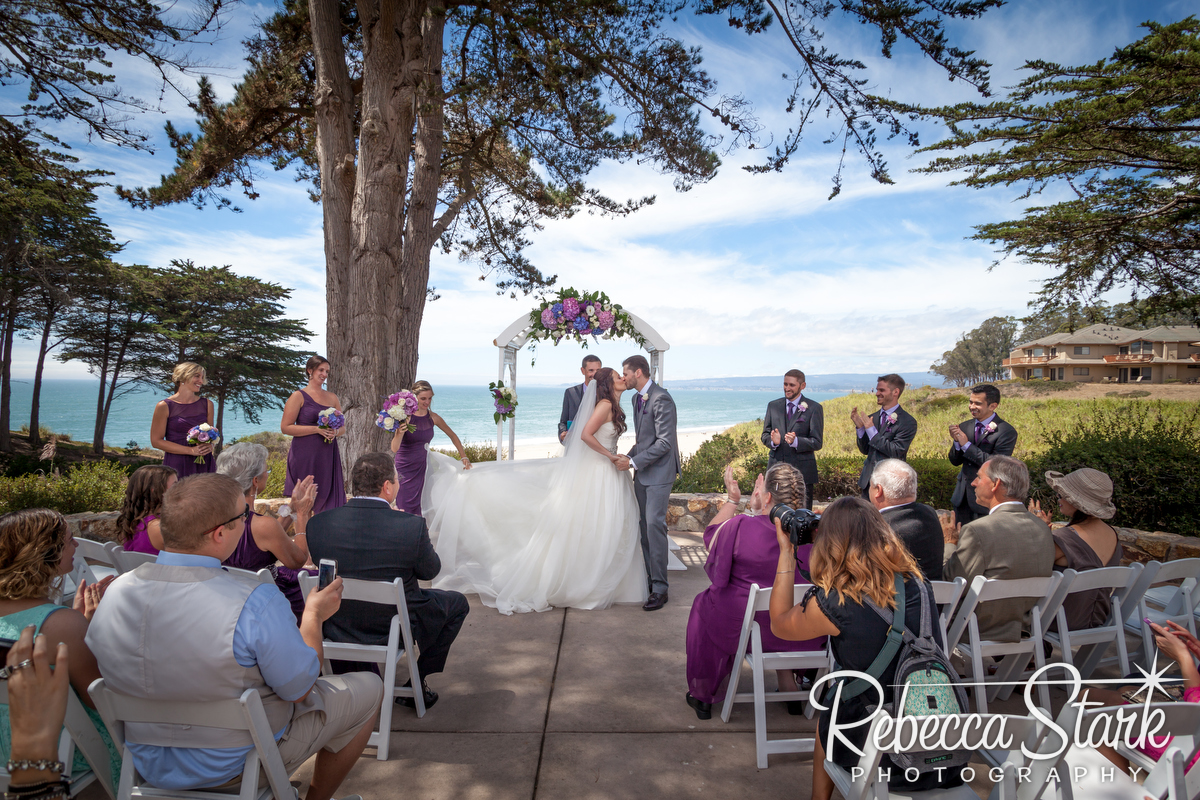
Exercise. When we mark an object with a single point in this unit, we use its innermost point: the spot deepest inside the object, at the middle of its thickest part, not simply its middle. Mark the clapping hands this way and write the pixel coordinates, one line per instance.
(304, 496)
(860, 421)
(1035, 508)
(732, 490)
(87, 596)
(957, 435)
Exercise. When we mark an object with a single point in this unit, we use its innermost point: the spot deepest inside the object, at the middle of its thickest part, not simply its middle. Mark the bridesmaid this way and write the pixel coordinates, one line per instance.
(411, 458)
(177, 415)
(314, 449)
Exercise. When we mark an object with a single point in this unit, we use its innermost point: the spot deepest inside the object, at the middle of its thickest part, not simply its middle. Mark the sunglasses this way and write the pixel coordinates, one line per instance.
(246, 514)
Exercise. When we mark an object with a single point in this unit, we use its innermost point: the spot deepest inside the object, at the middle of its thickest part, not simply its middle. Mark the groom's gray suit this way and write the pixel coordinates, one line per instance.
(655, 457)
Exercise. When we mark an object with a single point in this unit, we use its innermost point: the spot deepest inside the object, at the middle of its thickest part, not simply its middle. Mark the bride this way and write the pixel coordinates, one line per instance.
(543, 533)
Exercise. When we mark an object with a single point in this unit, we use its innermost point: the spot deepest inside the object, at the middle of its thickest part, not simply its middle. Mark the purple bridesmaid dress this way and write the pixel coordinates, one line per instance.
(411, 460)
(181, 418)
(248, 555)
(746, 552)
(312, 455)
(140, 543)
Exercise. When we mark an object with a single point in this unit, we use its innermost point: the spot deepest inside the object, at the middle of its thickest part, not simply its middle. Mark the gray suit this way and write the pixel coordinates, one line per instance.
(1002, 441)
(571, 399)
(809, 427)
(655, 456)
(1008, 544)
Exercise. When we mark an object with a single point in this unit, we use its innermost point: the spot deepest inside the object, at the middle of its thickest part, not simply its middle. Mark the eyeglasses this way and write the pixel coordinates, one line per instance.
(244, 515)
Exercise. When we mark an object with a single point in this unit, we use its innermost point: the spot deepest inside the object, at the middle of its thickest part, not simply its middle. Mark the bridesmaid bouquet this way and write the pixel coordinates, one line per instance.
(202, 434)
(331, 419)
(396, 411)
(504, 398)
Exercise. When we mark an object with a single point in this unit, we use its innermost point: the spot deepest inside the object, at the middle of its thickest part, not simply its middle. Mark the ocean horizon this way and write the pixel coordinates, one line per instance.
(69, 406)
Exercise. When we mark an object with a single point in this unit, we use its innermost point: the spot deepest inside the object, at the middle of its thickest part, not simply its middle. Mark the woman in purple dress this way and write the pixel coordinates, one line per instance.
(314, 451)
(410, 449)
(265, 541)
(177, 415)
(137, 527)
(742, 550)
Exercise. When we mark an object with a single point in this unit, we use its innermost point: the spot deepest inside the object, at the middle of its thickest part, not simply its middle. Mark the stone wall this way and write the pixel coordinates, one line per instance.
(102, 527)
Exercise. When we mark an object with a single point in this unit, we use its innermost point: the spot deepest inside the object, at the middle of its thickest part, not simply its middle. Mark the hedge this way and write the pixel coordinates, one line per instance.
(91, 486)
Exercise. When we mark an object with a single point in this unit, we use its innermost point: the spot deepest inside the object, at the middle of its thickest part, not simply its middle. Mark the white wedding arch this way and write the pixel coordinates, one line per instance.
(515, 336)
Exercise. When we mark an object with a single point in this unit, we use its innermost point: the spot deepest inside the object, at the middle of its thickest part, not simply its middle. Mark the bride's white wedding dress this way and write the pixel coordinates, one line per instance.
(542, 533)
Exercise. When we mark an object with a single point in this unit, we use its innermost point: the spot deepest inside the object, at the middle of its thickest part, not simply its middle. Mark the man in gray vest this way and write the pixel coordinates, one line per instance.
(571, 397)
(184, 629)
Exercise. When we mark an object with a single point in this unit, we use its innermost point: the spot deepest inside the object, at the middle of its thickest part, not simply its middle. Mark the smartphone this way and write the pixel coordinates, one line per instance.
(326, 572)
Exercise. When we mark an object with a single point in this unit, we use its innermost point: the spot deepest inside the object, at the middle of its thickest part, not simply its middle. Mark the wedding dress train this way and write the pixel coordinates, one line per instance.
(538, 534)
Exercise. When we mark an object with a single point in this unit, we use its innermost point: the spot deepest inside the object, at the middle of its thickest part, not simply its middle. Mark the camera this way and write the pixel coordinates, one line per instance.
(798, 523)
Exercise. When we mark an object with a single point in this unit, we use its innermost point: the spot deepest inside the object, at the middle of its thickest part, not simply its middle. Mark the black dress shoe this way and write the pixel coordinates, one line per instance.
(431, 697)
(655, 601)
(703, 709)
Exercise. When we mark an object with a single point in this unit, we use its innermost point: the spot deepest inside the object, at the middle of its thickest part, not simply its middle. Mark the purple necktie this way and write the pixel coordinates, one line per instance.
(791, 412)
(638, 403)
(978, 432)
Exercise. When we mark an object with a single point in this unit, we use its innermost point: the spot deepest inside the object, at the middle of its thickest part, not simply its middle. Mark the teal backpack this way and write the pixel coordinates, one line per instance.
(926, 684)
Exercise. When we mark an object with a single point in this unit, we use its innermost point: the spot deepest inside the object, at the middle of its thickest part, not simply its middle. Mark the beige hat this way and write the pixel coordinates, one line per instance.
(1089, 490)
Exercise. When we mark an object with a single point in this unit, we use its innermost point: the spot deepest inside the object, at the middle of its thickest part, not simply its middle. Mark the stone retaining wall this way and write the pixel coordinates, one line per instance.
(691, 513)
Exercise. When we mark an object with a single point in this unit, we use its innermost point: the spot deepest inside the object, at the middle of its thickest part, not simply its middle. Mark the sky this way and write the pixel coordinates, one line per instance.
(745, 275)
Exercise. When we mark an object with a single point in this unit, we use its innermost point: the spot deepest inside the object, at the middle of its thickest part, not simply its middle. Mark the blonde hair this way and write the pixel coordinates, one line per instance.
(196, 505)
(185, 371)
(421, 386)
(857, 555)
(32, 541)
(786, 485)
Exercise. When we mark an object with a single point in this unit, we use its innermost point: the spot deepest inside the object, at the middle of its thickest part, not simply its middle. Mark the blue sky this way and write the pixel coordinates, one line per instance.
(745, 275)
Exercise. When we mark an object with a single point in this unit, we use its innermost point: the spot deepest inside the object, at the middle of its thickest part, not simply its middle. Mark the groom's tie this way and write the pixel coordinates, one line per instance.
(637, 403)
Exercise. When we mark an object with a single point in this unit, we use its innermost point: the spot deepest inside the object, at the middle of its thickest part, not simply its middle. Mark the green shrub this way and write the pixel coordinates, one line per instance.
(277, 443)
(1152, 456)
(1132, 393)
(277, 464)
(476, 451)
(92, 486)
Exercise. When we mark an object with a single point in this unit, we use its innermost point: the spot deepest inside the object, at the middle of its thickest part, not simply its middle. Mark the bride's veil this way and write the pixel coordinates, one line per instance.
(575, 449)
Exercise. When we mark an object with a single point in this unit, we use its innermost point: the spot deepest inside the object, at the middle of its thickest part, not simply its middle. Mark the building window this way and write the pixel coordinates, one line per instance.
(1143, 348)
(1038, 351)
(1139, 372)
(1083, 351)
(1082, 370)
(1061, 370)
(1035, 373)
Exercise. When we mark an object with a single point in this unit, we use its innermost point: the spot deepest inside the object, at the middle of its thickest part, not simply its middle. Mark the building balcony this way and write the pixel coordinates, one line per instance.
(1016, 362)
(1195, 356)
(1130, 358)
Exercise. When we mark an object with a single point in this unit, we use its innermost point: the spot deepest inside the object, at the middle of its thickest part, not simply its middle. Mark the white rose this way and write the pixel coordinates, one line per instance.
(396, 412)
(389, 423)
(804, 406)
(330, 410)
(204, 426)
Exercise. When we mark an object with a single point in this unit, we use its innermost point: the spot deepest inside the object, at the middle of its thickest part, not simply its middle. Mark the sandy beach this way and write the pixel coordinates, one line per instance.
(689, 441)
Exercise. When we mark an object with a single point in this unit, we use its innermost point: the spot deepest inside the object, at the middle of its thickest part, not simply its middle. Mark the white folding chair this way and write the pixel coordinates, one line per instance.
(1182, 720)
(78, 734)
(759, 662)
(946, 595)
(81, 571)
(1112, 579)
(400, 643)
(1131, 596)
(98, 552)
(1178, 606)
(1015, 655)
(129, 560)
(244, 714)
(862, 783)
(264, 575)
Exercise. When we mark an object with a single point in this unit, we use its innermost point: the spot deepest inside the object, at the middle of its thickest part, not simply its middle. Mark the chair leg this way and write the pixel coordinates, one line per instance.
(418, 687)
(1122, 650)
(979, 677)
(735, 675)
(760, 712)
(385, 709)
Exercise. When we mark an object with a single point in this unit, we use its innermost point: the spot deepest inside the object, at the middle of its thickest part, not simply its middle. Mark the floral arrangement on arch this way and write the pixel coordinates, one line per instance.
(572, 314)
(504, 399)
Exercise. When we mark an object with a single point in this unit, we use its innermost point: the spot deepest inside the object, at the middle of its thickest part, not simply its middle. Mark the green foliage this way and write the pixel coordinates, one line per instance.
(46, 433)
(91, 486)
(978, 355)
(277, 464)
(1151, 452)
(1131, 393)
(277, 443)
(477, 452)
(1122, 135)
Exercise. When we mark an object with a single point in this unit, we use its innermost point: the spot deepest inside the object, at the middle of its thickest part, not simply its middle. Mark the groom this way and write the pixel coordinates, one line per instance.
(655, 459)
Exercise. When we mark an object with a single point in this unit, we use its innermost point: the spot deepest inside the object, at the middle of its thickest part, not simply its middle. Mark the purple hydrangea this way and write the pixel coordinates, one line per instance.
(570, 308)
(548, 319)
(606, 319)
(581, 324)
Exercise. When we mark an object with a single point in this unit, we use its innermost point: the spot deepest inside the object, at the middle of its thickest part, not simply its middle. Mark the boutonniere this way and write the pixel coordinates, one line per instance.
(645, 402)
(891, 418)
(803, 406)
(991, 427)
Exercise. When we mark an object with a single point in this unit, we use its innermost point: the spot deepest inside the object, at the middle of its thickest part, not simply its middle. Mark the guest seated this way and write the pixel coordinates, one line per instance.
(856, 556)
(36, 551)
(137, 527)
(742, 549)
(37, 706)
(372, 542)
(265, 540)
(893, 490)
(185, 629)
(1086, 542)
(1008, 544)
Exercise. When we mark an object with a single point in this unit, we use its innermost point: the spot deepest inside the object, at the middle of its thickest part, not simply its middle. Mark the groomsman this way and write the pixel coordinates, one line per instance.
(792, 429)
(573, 396)
(888, 432)
(975, 441)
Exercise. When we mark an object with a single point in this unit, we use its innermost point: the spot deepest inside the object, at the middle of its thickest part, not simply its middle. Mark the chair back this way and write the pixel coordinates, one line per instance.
(264, 575)
(983, 590)
(96, 551)
(241, 713)
(946, 595)
(129, 560)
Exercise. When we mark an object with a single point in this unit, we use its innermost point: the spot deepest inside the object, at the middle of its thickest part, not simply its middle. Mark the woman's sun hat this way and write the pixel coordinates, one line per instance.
(1089, 490)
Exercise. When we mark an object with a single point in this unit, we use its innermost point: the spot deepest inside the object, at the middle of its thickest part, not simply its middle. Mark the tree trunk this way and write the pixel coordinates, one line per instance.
(35, 430)
(9, 330)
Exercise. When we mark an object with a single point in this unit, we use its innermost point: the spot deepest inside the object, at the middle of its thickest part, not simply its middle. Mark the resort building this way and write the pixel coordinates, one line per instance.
(1111, 354)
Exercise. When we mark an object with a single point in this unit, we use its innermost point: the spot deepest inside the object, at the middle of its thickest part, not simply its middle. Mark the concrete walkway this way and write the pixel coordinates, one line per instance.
(574, 705)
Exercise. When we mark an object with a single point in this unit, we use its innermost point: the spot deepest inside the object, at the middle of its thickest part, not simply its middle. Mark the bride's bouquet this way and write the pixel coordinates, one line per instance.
(202, 434)
(504, 398)
(331, 419)
(396, 411)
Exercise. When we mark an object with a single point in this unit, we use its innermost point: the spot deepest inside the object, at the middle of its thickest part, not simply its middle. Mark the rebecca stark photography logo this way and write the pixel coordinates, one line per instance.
(1134, 726)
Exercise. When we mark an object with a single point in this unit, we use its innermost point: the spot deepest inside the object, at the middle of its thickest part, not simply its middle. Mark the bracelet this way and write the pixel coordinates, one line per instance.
(786, 572)
(47, 790)
(41, 765)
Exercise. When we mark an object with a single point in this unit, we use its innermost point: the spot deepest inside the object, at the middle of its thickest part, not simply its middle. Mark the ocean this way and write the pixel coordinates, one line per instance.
(69, 406)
